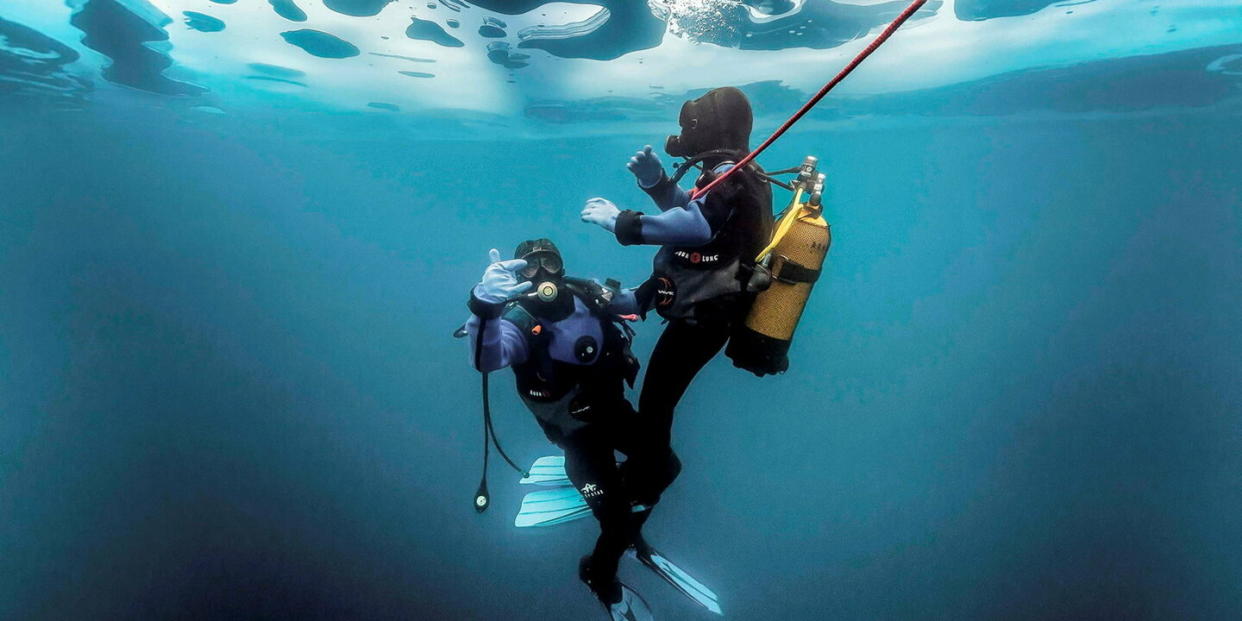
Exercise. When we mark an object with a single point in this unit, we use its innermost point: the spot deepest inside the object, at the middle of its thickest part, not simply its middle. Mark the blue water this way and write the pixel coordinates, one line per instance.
(228, 387)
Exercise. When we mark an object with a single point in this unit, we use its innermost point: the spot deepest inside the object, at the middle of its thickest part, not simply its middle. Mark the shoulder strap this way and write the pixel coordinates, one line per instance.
(597, 297)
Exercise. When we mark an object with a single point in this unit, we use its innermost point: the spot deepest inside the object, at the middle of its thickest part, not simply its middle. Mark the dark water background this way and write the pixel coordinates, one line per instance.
(227, 385)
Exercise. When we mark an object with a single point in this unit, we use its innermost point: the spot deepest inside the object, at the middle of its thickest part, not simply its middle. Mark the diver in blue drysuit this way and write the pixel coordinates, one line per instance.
(569, 352)
(703, 280)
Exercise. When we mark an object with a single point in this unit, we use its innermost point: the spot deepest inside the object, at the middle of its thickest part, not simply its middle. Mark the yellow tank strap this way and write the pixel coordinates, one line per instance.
(791, 215)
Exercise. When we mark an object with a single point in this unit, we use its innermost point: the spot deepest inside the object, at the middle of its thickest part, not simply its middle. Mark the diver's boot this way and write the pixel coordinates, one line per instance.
(639, 546)
(621, 602)
(637, 519)
(608, 591)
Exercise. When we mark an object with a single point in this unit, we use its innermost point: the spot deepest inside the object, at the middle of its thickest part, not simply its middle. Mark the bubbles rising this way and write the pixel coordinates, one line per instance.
(703, 21)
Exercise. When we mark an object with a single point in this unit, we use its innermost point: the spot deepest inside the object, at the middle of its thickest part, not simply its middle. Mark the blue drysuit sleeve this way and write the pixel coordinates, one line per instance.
(666, 194)
(503, 344)
(684, 222)
(679, 226)
(625, 302)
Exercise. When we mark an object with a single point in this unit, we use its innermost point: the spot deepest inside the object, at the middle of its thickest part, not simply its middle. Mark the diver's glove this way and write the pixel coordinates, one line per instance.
(646, 167)
(500, 282)
(601, 211)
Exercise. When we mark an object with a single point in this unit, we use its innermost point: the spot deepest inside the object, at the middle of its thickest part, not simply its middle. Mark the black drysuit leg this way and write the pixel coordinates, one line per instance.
(592, 468)
(682, 351)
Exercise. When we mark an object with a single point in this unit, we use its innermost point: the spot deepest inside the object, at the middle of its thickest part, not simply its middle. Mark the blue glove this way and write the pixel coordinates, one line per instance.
(499, 283)
(601, 211)
(646, 167)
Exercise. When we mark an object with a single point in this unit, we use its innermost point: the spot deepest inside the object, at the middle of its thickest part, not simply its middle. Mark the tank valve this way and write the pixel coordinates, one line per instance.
(817, 191)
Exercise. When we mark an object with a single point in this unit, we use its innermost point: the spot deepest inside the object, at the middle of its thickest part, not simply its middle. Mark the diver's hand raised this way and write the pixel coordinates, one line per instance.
(500, 282)
(602, 212)
(646, 167)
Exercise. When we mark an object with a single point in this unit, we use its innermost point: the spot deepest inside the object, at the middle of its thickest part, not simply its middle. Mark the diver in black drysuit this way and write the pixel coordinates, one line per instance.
(701, 281)
(571, 359)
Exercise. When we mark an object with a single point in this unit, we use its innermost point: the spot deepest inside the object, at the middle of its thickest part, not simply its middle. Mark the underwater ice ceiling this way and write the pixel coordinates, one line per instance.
(570, 61)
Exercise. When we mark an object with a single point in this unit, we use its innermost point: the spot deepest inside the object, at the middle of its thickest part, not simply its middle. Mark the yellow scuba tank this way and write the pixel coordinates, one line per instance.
(793, 261)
